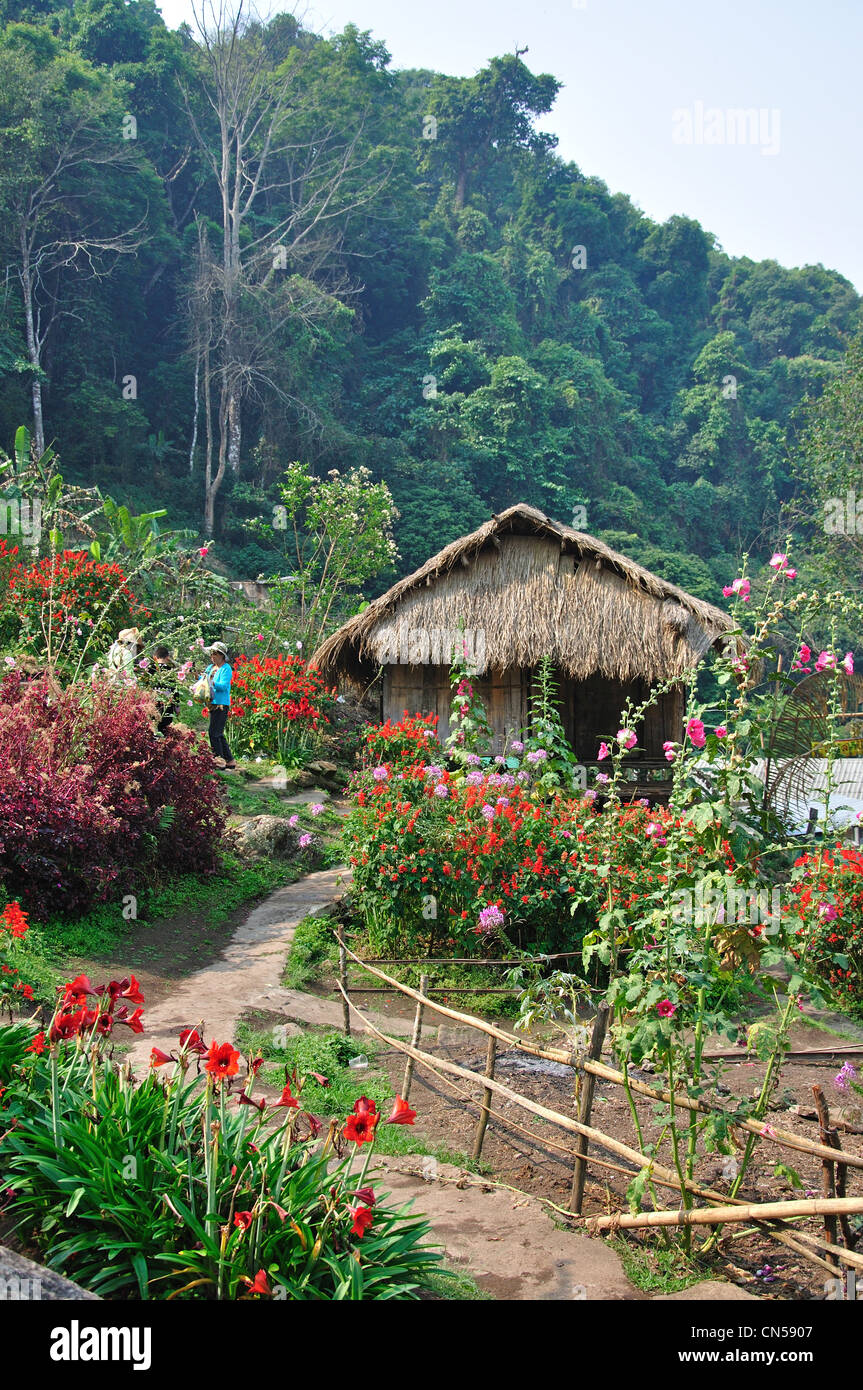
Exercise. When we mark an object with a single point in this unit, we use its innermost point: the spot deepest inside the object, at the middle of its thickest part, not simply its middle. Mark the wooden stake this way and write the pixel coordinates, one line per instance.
(585, 1106)
(415, 1037)
(828, 1172)
(482, 1122)
(343, 979)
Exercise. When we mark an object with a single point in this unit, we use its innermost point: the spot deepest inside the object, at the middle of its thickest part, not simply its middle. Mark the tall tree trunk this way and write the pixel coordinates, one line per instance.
(32, 346)
(194, 444)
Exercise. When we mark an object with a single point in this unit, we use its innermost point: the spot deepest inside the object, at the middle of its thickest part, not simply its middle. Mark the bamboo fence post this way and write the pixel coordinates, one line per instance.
(828, 1171)
(415, 1039)
(343, 979)
(482, 1122)
(721, 1216)
(585, 1106)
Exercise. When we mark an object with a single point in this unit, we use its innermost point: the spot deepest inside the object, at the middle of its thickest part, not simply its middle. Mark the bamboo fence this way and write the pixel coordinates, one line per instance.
(774, 1218)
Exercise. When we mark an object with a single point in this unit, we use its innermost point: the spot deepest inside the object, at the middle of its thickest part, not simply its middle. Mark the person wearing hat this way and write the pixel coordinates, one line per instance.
(122, 656)
(219, 676)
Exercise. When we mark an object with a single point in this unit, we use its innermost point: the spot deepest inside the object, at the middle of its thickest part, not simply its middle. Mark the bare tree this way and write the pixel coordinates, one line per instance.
(280, 167)
(64, 148)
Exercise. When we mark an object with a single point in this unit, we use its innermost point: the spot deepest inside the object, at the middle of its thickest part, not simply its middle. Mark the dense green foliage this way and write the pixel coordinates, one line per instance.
(475, 319)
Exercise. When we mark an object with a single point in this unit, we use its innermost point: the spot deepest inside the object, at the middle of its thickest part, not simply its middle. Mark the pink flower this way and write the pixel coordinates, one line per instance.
(768, 1131)
(603, 752)
(826, 662)
(695, 733)
(778, 561)
(720, 731)
(848, 663)
(670, 750)
(304, 841)
(627, 738)
(828, 912)
(204, 550)
(666, 1009)
(803, 656)
(740, 587)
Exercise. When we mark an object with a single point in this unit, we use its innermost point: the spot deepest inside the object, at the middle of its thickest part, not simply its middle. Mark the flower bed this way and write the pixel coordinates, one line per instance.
(178, 1189)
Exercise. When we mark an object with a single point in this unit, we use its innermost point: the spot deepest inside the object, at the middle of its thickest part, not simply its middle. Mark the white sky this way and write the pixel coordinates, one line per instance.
(628, 65)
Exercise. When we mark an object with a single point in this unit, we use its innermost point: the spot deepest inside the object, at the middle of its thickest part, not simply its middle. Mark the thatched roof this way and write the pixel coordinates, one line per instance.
(532, 587)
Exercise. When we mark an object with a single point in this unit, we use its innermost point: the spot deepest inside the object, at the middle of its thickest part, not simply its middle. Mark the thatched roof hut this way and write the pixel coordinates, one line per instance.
(520, 587)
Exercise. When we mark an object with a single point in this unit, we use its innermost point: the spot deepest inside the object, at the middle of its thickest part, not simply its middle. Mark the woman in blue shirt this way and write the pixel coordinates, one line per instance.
(219, 675)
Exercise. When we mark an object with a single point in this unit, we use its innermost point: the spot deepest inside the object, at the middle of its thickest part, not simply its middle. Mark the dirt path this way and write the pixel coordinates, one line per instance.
(505, 1240)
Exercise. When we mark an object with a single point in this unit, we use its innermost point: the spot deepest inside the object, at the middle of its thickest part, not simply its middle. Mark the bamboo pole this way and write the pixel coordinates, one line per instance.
(482, 1122)
(585, 1107)
(415, 1037)
(343, 978)
(718, 1216)
(828, 1172)
(783, 1137)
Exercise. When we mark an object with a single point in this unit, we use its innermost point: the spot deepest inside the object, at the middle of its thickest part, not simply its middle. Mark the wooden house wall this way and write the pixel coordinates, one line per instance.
(591, 709)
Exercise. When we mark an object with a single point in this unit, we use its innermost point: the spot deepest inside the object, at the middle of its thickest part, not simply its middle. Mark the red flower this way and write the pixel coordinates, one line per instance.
(14, 919)
(287, 1099)
(77, 989)
(158, 1058)
(401, 1113)
(191, 1041)
(222, 1060)
(360, 1126)
(133, 1021)
(364, 1194)
(243, 1099)
(243, 1220)
(259, 1283)
(37, 1045)
(363, 1218)
(67, 1024)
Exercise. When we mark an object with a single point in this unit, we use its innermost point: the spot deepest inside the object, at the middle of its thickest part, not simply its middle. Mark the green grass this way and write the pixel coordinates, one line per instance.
(313, 952)
(456, 1286)
(656, 1268)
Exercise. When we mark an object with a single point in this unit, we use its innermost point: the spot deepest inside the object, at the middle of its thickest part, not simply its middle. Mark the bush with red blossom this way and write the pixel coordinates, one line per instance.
(92, 801)
(826, 916)
(276, 704)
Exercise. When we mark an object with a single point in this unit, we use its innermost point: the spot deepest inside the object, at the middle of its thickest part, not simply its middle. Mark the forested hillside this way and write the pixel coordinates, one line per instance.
(222, 256)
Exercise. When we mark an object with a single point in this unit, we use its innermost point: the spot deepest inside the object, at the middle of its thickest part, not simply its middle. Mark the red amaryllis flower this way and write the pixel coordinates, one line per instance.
(222, 1060)
(243, 1099)
(255, 1064)
(401, 1113)
(191, 1041)
(133, 1021)
(287, 1099)
(361, 1124)
(67, 1024)
(132, 992)
(243, 1220)
(259, 1284)
(321, 1080)
(77, 989)
(364, 1194)
(363, 1218)
(158, 1058)
(37, 1045)
(315, 1125)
